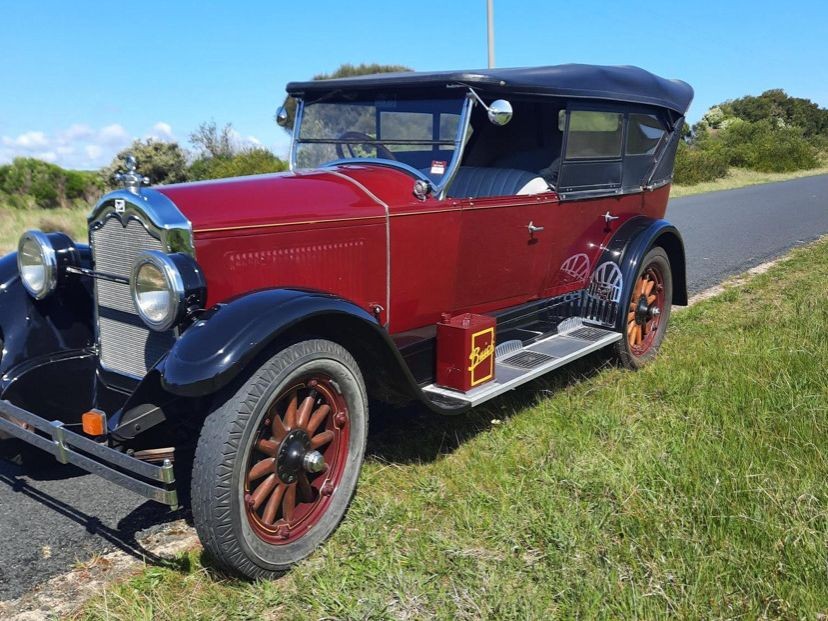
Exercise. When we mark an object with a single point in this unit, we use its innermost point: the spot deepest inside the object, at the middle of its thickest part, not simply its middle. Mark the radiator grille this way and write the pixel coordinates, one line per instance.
(127, 345)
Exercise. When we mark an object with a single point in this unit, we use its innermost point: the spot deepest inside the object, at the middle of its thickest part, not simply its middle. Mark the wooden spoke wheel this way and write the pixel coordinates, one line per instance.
(648, 310)
(298, 460)
(277, 462)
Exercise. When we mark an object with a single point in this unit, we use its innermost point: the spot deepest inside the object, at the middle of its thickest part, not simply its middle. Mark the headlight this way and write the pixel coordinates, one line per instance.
(163, 286)
(37, 264)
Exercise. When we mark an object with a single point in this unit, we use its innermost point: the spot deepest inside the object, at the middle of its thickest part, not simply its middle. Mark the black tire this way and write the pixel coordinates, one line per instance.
(656, 266)
(225, 450)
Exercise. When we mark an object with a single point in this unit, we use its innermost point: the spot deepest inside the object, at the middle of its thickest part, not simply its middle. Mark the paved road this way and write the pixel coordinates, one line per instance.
(46, 525)
(726, 233)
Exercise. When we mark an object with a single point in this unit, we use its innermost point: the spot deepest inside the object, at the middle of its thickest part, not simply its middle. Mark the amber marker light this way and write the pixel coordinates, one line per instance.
(94, 423)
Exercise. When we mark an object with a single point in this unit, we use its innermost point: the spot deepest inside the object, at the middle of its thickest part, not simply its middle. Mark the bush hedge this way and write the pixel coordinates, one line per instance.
(694, 165)
(30, 183)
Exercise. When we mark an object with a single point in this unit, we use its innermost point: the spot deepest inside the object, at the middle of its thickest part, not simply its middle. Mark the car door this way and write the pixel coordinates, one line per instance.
(504, 245)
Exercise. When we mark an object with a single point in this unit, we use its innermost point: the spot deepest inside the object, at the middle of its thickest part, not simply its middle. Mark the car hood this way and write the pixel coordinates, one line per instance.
(260, 201)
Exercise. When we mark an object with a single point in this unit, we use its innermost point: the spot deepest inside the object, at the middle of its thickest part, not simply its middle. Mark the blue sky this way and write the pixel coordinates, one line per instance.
(80, 80)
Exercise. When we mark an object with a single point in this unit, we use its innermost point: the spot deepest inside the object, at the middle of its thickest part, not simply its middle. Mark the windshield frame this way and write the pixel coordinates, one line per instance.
(437, 189)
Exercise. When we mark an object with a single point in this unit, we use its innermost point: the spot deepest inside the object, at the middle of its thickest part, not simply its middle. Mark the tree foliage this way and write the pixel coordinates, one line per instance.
(212, 142)
(771, 132)
(780, 108)
(253, 161)
(220, 155)
(29, 182)
(162, 162)
(343, 71)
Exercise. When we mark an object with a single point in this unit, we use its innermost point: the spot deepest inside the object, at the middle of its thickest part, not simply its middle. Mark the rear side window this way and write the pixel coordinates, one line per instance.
(644, 132)
(594, 134)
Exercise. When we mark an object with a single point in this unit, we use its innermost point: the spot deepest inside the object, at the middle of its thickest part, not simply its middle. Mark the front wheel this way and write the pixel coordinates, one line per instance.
(277, 463)
(647, 310)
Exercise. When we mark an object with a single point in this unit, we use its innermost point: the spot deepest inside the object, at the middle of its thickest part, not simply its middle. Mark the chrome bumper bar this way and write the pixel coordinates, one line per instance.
(154, 482)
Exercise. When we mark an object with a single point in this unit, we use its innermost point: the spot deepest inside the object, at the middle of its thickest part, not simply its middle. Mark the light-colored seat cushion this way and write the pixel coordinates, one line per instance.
(478, 182)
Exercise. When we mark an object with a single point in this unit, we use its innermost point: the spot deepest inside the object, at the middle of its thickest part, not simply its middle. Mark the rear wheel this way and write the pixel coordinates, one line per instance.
(277, 463)
(647, 310)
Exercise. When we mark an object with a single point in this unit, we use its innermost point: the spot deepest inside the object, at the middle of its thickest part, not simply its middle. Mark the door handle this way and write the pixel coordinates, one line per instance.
(608, 217)
(534, 229)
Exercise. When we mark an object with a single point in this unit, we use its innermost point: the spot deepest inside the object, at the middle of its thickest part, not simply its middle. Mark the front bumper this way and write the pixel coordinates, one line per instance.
(154, 482)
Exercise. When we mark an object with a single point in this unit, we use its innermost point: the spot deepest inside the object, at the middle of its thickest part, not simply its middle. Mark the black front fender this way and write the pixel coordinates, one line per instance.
(224, 341)
(31, 329)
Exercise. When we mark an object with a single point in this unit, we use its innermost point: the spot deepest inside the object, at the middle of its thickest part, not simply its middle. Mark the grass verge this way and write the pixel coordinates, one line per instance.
(741, 177)
(694, 488)
(14, 221)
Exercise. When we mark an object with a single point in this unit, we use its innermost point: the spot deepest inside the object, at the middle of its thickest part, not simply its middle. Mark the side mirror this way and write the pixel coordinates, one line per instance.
(282, 116)
(499, 112)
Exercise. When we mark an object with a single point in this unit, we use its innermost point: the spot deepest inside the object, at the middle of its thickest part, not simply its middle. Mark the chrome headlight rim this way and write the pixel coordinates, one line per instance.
(174, 286)
(50, 263)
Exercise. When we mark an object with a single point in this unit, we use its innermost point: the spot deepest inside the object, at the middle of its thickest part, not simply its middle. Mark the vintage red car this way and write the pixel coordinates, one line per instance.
(441, 238)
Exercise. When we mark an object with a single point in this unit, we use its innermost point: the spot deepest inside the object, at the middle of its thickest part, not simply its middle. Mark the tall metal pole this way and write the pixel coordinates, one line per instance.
(490, 24)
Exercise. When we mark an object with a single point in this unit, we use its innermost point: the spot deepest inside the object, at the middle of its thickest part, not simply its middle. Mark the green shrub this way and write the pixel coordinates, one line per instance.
(249, 162)
(696, 165)
(28, 182)
(782, 150)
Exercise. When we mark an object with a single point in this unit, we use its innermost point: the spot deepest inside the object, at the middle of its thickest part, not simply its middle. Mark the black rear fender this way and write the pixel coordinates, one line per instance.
(632, 241)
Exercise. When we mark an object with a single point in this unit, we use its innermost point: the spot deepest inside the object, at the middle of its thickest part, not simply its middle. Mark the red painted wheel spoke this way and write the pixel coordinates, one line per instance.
(272, 506)
(289, 503)
(290, 413)
(268, 447)
(322, 439)
(264, 490)
(317, 418)
(305, 489)
(278, 512)
(648, 288)
(278, 428)
(264, 467)
(651, 298)
(305, 412)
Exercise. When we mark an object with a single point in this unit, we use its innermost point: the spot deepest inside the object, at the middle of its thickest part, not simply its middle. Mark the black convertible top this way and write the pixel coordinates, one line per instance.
(622, 83)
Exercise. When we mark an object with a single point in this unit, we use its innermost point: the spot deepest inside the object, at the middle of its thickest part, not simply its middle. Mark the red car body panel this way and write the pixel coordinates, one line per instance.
(341, 230)
(310, 230)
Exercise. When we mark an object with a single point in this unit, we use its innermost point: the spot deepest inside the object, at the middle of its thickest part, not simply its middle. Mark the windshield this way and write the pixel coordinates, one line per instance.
(418, 133)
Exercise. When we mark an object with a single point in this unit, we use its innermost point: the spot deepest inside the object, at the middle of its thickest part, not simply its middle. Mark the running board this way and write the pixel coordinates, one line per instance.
(516, 364)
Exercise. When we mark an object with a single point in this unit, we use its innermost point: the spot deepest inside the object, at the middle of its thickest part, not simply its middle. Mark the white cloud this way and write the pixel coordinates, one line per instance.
(113, 135)
(93, 151)
(77, 146)
(30, 141)
(161, 131)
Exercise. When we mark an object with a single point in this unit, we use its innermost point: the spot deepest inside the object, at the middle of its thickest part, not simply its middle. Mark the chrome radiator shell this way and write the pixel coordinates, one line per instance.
(123, 225)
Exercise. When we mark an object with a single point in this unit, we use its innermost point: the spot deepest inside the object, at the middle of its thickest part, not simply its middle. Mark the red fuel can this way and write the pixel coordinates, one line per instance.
(465, 351)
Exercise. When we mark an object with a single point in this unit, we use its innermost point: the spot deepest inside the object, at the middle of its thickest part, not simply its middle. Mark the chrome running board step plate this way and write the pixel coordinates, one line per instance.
(516, 364)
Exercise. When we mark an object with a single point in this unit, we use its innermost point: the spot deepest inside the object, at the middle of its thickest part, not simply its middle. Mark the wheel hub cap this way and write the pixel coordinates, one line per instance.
(291, 455)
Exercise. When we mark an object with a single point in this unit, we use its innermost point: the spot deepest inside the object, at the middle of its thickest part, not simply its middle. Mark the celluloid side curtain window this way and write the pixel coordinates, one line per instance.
(594, 134)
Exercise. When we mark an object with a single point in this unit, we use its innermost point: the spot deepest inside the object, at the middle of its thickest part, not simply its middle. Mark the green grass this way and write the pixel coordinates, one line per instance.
(14, 221)
(694, 489)
(741, 177)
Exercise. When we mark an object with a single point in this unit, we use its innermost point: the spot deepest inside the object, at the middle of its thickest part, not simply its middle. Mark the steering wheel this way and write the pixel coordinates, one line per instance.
(382, 151)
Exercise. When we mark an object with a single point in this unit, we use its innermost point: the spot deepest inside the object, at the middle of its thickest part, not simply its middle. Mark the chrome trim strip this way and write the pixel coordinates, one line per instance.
(297, 124)
(93, 457)
(459, 148)
(175, 284)
(356, 161)
(154, 210)
(158, 215)
(387, 240)
(50, 266)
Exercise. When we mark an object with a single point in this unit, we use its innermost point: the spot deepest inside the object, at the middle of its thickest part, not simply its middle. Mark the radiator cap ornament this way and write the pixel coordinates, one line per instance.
(131, 179)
